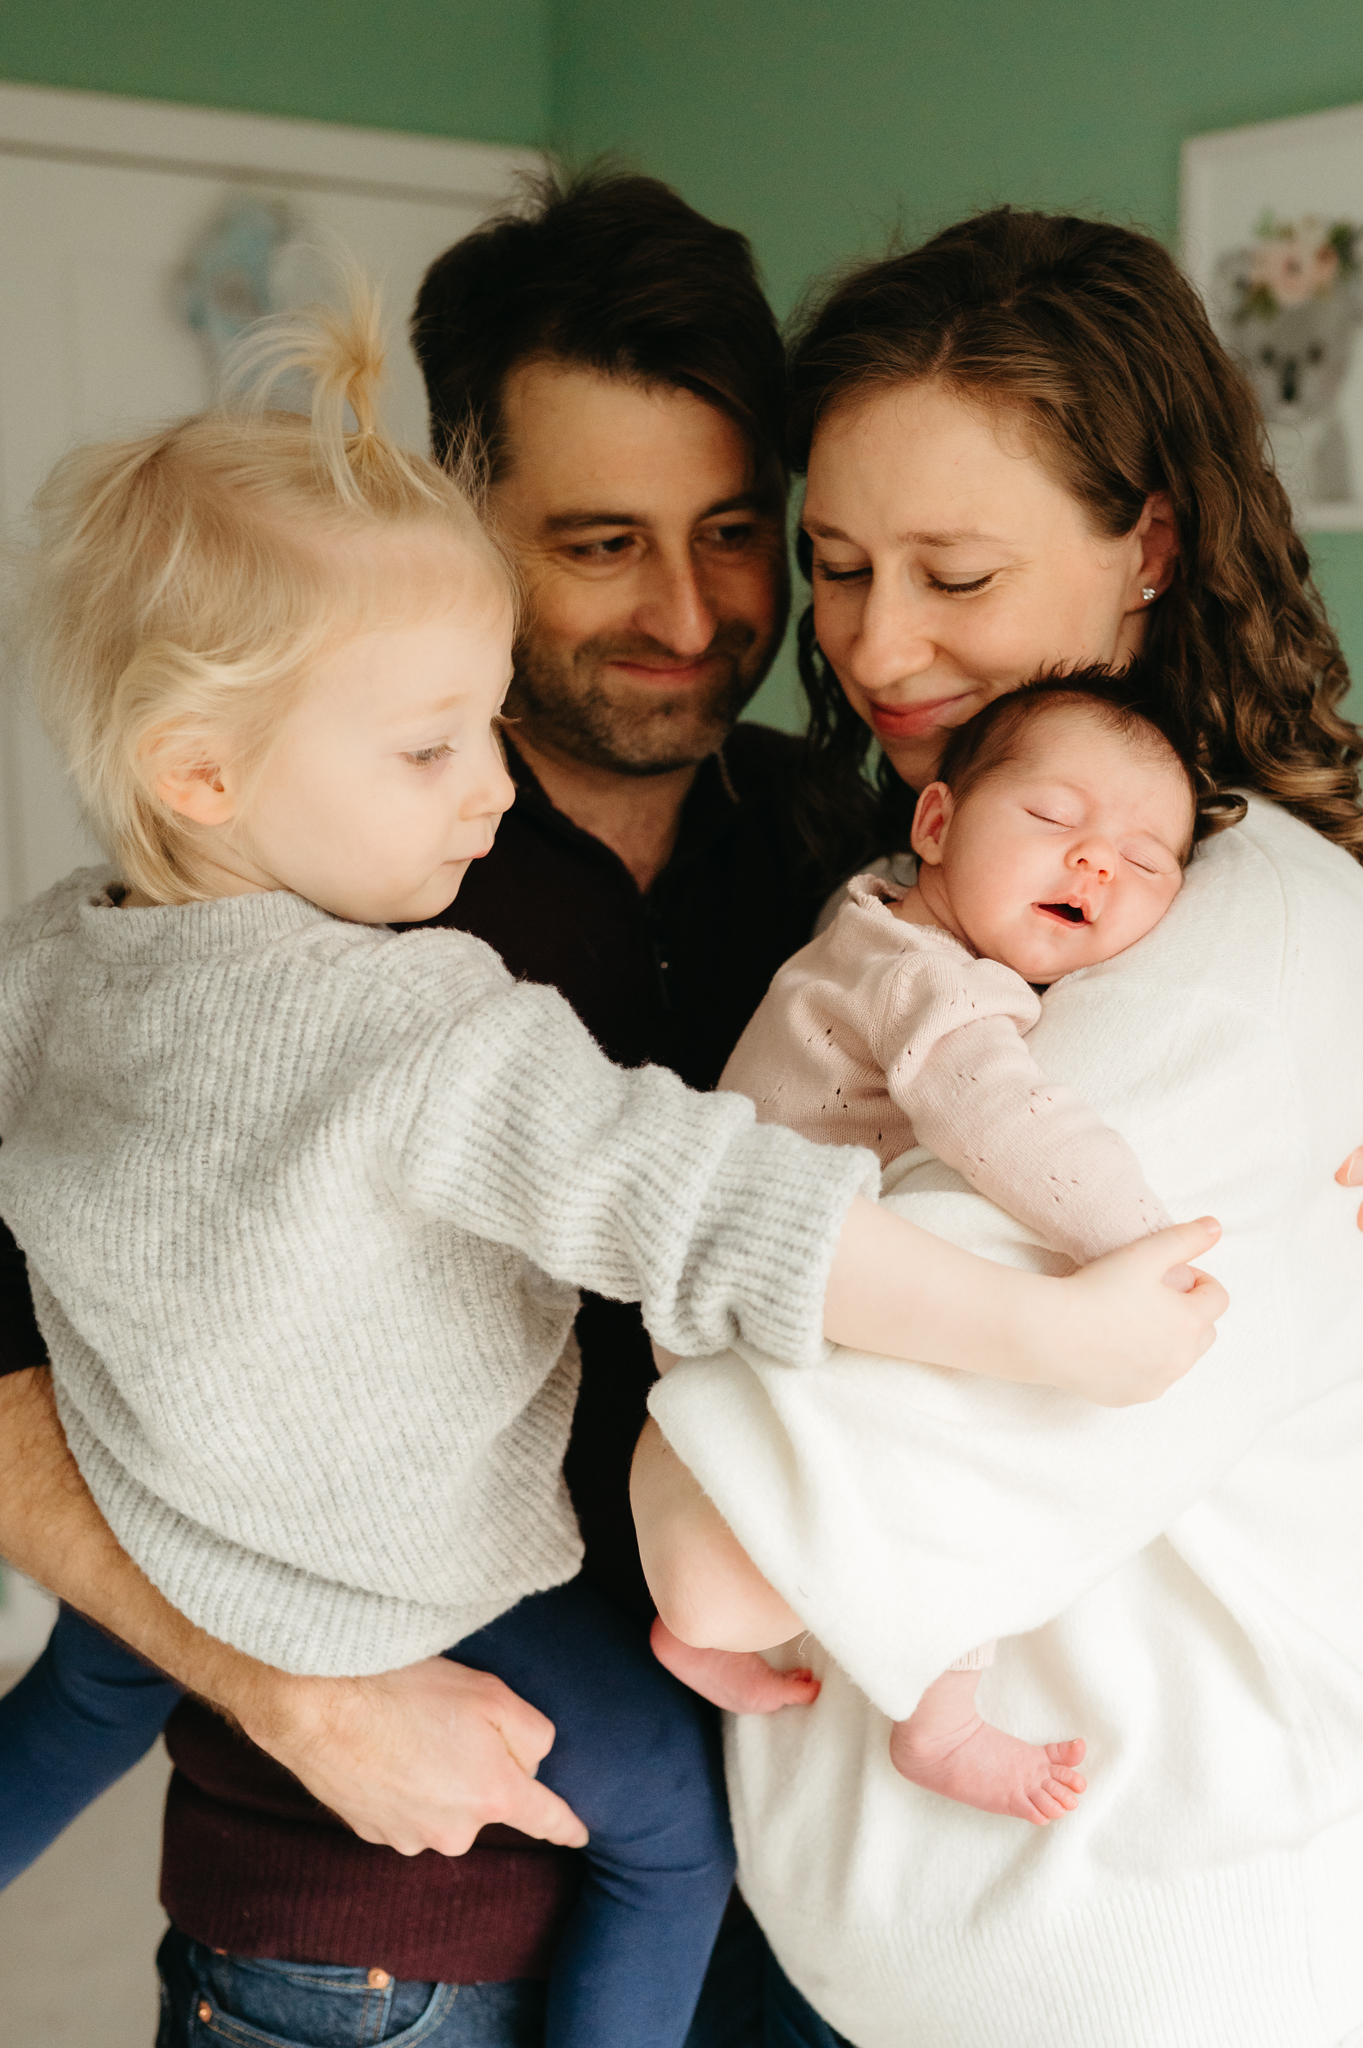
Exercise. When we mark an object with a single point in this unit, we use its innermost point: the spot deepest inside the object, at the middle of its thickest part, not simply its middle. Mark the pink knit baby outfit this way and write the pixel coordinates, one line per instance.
(891, 1035)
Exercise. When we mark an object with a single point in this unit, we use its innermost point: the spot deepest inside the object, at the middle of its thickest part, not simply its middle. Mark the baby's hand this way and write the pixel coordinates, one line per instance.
(1139, 1318)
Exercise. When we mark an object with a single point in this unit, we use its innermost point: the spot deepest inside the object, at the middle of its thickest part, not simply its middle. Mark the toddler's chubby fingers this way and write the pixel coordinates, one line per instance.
(1180, 1243)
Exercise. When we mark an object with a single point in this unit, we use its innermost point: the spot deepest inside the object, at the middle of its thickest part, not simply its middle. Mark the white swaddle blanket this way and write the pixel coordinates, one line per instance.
(1181, 1583)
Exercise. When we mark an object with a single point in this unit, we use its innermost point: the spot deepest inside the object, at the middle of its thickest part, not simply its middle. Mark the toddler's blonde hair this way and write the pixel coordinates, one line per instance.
(184, 583)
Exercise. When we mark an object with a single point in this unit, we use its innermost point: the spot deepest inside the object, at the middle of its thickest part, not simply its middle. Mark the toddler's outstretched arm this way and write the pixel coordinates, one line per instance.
(1114, 1332)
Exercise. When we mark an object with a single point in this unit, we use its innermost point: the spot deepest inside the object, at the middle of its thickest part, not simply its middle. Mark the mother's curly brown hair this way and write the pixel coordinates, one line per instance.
(1095, 336)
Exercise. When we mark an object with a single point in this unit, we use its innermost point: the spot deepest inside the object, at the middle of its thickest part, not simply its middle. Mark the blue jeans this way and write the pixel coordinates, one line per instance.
(213, 2001)
(81, 1717)
(293, 2005)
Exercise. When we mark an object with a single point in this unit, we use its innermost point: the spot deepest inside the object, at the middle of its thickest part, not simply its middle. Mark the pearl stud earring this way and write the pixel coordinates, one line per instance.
(1148, 592)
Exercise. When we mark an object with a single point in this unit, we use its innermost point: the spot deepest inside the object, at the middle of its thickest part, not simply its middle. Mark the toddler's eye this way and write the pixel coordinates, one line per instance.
(425, 756)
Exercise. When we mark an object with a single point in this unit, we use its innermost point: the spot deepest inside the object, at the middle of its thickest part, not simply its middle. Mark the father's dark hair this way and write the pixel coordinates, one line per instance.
(1125, 700)
(612, 272)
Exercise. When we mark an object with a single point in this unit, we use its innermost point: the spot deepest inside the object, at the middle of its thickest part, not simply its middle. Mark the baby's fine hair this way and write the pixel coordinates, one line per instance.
(183, 584)
(1123, 699)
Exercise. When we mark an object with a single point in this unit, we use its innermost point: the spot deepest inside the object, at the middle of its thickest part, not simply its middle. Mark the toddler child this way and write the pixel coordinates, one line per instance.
(306, 1201)
(1055, 837)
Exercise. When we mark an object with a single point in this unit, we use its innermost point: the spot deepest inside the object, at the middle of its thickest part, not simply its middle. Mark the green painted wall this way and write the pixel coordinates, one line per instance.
(818, 125)
(814, 125)
(478, 69)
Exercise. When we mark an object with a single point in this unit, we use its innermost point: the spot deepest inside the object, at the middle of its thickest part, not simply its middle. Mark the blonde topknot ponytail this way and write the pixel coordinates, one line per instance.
(184, 583)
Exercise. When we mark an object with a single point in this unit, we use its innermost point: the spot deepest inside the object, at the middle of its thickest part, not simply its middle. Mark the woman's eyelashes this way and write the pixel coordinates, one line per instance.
(962, 589)
(827, 573)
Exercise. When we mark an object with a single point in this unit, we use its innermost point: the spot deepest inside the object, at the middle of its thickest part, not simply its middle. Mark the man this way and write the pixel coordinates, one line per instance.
(613, 352)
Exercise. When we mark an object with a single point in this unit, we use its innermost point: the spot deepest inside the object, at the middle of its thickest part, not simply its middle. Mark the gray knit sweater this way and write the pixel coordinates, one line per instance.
(306, 1205)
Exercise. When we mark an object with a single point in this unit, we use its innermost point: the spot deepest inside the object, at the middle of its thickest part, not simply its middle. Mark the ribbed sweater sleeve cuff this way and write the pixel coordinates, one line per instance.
(766, 1235)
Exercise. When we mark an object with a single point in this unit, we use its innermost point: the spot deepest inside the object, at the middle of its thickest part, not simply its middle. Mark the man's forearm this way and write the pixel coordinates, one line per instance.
(417, 1759)
(51, 1530)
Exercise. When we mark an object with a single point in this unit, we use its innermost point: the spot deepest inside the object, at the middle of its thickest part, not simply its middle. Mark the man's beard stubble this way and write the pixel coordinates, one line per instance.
(563, 704)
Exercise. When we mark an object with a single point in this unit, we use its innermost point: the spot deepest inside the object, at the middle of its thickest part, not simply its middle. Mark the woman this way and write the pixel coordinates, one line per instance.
(1025, 449)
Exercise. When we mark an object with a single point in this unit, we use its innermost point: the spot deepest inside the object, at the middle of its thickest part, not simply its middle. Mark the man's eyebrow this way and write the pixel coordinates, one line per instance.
(819, 531)
(578, 521)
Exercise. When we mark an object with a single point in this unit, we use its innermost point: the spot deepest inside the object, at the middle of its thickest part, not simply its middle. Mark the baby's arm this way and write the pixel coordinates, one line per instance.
(977, 1099)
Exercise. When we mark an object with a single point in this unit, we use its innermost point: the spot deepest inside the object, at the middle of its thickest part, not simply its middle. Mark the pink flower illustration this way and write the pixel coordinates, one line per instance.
(1295, 266)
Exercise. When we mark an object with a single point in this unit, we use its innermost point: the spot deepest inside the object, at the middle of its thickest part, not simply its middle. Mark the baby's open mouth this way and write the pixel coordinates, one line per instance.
(1069, 913)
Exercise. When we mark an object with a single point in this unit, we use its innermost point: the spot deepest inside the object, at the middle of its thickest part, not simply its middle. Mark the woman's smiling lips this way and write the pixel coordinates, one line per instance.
(910, 721)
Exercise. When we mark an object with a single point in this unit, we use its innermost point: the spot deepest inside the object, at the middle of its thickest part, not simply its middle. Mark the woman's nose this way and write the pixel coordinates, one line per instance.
(891, 642)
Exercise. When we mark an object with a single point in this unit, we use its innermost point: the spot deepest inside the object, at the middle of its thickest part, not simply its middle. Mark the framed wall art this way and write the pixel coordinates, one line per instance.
(1272, 234)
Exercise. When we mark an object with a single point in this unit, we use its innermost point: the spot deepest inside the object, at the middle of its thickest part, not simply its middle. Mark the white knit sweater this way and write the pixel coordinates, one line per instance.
(306, 1205)
(1181, 1583)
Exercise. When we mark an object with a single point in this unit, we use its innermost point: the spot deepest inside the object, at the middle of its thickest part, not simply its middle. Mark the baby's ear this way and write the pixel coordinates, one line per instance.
(930, 822)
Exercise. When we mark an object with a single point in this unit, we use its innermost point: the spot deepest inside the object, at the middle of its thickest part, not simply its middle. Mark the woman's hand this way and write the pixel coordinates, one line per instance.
(1350, 1175)
(1138, 1319)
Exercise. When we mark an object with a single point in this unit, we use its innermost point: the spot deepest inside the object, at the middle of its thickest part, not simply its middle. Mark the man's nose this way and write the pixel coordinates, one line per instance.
(675, 610)
(891, 641)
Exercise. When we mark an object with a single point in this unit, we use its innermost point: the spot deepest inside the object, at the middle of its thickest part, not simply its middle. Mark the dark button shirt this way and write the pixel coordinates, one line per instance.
(671, 977)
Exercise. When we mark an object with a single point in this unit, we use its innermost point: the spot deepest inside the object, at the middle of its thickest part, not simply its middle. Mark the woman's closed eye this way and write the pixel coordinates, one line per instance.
(826, 572)
(962, 589)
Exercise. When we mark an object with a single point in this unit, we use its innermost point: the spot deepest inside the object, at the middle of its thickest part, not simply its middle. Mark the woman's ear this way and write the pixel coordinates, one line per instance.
(930, 822)
(1158, 537)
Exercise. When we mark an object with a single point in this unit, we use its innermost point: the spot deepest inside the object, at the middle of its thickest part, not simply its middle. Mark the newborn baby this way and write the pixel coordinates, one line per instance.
(1056, 837)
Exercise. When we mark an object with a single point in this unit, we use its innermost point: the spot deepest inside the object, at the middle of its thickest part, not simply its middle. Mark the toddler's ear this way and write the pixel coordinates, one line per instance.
(193, 788)
(930, 822)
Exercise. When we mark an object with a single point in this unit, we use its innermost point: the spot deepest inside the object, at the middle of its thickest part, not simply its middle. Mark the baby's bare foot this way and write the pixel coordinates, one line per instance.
(738, 1680)
(981, 1766)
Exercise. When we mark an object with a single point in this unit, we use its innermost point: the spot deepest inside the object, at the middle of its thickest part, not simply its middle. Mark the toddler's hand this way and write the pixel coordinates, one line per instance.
(1139, 1318)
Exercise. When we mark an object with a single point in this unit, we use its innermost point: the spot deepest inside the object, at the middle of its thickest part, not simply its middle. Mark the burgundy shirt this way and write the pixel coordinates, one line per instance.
(252, 1863)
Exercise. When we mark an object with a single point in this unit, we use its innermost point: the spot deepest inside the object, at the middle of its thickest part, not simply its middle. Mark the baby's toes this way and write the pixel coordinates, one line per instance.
(1050, 1802)
(1066, 1752)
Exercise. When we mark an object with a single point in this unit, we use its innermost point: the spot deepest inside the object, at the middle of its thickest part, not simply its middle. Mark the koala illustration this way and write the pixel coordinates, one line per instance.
(1297, 356)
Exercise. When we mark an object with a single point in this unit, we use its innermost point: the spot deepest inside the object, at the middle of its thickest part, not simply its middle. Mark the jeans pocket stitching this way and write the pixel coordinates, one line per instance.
(243, 2034)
